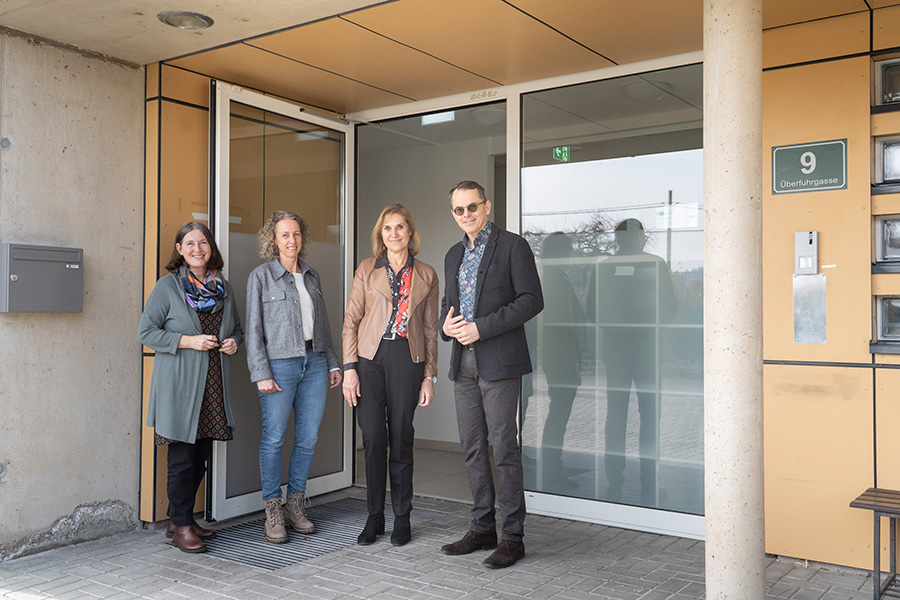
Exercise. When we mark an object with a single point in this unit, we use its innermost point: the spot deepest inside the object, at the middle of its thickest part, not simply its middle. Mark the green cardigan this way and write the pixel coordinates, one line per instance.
(179, 374)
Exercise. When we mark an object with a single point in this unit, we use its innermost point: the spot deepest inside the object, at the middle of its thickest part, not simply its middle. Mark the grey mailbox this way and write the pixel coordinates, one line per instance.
(41, 278)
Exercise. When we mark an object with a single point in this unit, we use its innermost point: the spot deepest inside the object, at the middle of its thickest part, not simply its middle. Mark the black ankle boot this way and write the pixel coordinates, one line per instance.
(374, 527)
(401, 533)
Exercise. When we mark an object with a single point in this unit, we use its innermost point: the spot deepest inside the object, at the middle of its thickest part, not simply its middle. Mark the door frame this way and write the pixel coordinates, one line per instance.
(542, 503)
(219, 506)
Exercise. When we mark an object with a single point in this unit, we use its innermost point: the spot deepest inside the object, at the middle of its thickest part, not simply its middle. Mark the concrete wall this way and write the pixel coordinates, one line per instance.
(71, 175)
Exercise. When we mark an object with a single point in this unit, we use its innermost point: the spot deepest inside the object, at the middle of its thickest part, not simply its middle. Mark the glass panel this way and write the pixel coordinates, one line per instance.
(278, 163)
(891, 158)
(890, 83)
(403, 161)
(890, 239)
(890, 318)
(612, 206)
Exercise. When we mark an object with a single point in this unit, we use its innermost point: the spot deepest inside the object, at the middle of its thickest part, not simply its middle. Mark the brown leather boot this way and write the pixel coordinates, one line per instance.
(187, 541)
(275, 531)
(295, 513)
(203, 534)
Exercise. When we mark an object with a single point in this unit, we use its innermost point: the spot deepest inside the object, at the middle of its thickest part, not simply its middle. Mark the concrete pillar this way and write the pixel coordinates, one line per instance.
(732, 138)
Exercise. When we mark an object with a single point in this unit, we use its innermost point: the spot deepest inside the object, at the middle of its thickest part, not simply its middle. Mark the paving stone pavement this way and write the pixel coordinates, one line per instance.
(566, 560)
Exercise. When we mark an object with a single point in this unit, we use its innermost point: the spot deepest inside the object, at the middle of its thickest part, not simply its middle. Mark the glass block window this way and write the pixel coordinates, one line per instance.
(888, 318)
(890, 83)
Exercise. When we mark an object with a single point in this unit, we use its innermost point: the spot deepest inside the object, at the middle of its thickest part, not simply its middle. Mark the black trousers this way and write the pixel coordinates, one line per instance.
(389, 386)
(187, 466)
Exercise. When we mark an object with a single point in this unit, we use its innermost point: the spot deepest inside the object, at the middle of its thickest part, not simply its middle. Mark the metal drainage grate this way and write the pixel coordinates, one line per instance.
(338, 524)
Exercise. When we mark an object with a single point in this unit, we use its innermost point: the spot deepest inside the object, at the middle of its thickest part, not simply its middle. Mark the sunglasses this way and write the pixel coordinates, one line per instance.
(461, 210)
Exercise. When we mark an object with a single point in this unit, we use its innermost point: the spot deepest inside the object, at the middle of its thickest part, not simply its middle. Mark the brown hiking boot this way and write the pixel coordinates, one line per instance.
(275, 531)
(295, 515)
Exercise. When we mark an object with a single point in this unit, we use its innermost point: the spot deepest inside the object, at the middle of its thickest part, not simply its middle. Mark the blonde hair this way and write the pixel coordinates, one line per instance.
(415, 244)
(268, 249)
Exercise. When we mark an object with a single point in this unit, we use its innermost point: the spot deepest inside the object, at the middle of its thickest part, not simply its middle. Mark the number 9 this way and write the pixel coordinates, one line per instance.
(808, 160)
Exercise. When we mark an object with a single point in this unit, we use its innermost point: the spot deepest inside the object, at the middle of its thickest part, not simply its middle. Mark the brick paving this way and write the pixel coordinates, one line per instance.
(565, 560)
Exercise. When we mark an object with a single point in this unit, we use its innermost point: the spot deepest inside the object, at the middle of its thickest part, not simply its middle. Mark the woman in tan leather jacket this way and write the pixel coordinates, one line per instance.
(390, 362)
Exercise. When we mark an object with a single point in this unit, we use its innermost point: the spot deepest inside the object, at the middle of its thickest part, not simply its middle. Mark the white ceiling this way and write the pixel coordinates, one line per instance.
(129, 30)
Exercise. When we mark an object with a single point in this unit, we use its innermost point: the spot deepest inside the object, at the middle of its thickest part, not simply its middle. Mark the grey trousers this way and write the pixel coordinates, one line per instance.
(487, 410)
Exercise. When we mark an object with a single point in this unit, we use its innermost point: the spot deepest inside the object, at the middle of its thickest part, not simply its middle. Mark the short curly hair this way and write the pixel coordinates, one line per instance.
(268, 249)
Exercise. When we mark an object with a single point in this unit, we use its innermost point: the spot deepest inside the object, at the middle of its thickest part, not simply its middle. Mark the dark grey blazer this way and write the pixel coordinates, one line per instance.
(507, 295)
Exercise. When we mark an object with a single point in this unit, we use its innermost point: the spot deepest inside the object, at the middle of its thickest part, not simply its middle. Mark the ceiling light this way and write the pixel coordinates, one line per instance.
(435, 118)
(183, 19)
(488, 116)
(645, 91)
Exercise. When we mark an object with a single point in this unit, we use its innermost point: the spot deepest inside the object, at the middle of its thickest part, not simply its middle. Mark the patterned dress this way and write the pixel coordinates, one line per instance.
(213, 422)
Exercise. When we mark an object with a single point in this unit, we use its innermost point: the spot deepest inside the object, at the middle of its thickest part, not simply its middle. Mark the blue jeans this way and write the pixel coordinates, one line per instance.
(304, 383)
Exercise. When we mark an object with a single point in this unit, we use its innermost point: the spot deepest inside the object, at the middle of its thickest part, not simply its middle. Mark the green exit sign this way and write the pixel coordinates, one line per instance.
(561, 153)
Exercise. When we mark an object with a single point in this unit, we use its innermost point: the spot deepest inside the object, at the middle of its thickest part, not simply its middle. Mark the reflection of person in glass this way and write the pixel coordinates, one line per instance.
(634, 297)
(562, 343)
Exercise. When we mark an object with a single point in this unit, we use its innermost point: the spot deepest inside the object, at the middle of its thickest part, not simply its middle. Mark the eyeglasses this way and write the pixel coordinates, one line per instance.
(460, 210)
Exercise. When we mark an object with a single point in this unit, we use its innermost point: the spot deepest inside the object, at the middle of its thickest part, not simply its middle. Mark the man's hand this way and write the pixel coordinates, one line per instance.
(463, 331)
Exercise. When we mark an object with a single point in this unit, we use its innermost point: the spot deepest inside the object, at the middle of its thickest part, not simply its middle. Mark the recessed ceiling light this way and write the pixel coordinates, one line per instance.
(644, 91)
(183, 19)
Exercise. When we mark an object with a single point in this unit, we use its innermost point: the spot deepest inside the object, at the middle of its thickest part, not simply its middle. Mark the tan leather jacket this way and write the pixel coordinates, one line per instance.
(369, 309)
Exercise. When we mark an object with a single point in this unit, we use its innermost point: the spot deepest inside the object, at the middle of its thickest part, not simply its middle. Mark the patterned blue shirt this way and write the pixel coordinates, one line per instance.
(468, 271)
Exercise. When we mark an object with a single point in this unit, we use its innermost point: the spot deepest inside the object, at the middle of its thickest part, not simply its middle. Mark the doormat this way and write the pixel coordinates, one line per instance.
(338, 523)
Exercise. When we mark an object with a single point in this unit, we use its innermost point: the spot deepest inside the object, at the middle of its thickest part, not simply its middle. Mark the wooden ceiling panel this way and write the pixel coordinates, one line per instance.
(254, 68)
(777, 13)
(883, 3)
(487, 37)
(343, 47)
(625, 32)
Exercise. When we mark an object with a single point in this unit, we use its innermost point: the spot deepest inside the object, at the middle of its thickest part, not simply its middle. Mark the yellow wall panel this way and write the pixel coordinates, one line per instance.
(791, 115)
(886, 284)
(886, 28)
(887, 416)
(818, 457)
(184, 172)
(185, 86)
(151, 194)
(148, 451)
(815, 40)
(886, 124)
(886, 204)
(777, 13)
(151, 81)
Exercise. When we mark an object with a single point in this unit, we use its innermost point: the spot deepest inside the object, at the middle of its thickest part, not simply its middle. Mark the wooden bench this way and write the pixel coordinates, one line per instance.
(884, 503)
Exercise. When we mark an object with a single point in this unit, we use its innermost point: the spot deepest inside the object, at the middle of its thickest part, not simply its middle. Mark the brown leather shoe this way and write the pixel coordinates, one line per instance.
(506, 555)
(471, 542)
(203, 534)
(187, 540)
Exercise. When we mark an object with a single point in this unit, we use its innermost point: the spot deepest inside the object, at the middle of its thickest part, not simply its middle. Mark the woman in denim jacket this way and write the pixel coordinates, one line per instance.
(291, 360)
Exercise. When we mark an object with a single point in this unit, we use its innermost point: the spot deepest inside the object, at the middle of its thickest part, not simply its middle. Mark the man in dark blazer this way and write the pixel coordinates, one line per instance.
(491, 289)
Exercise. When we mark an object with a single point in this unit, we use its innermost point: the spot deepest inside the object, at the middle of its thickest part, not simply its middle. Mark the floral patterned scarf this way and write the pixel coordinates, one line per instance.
(204, 296)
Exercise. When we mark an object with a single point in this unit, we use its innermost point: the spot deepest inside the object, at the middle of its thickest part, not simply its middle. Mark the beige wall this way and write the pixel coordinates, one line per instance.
(69, 382)
(829, 410)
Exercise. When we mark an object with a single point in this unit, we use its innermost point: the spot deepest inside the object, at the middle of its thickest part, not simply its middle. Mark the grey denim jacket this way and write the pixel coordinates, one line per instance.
(273, 327)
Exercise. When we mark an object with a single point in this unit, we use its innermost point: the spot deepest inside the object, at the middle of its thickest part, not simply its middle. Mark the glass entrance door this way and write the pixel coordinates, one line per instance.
(272, 155)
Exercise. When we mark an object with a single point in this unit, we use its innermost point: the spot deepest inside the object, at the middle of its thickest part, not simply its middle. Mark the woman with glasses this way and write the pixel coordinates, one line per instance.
(191, 321)
(390, 362)
(292, 362)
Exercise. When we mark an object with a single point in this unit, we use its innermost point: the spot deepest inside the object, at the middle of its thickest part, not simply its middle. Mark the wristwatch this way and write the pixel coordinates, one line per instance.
(432, 379)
